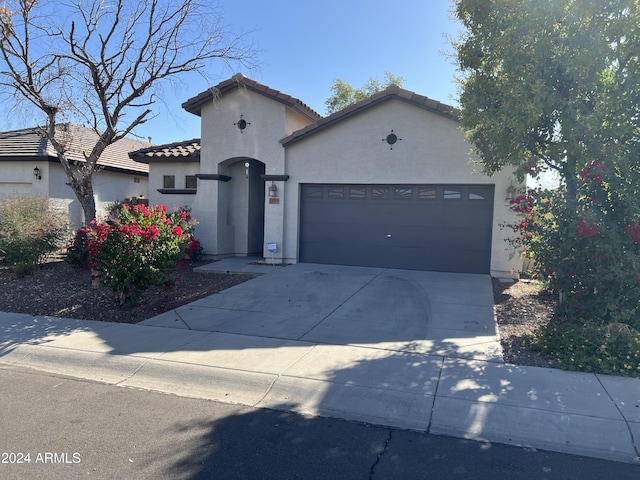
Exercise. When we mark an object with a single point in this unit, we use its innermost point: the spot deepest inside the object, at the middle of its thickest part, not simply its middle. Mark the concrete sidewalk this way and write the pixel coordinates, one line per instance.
(415, 350)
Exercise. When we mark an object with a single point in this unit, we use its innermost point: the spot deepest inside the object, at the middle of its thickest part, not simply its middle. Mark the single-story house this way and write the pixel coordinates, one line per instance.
(389, 181)
(29, 166)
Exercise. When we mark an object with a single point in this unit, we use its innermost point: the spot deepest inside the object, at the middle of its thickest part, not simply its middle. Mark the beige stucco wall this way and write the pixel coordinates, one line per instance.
(222, 140)
(222, 208)
(157, 171)
(109, 187)
(17, 177)
(432, 150)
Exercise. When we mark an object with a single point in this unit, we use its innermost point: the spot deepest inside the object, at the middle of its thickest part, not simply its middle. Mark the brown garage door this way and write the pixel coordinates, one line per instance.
(419, 227)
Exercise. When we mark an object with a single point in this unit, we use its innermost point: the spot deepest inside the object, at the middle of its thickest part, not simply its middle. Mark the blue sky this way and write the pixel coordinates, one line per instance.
(305, 45)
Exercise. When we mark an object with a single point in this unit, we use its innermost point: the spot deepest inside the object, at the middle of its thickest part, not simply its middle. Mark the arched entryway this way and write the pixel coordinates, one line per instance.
(244, 198)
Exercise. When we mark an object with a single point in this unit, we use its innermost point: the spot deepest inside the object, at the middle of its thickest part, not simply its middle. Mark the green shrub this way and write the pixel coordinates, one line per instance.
(612, 349)
(78, 249)
(31, 229)
(587, 250)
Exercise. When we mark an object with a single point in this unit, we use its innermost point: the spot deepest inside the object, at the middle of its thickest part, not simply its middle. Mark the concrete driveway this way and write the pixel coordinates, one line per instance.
(407, 349)
(432, 313)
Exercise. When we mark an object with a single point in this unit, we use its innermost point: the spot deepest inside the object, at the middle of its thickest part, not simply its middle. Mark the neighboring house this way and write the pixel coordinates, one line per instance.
(389, 182)
(173, 174)
(25, 153)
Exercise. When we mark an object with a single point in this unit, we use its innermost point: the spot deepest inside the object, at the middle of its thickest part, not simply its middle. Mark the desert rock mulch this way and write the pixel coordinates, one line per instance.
(521, 308)
(60, 290)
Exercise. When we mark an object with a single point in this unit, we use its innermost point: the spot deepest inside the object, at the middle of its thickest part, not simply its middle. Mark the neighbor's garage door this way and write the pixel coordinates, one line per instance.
(419, 227)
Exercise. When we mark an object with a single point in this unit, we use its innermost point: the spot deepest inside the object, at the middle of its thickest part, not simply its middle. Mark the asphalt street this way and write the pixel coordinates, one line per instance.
(57, 427)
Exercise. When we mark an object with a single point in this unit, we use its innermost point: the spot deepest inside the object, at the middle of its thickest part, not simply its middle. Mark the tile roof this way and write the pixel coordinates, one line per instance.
(391, 92)
(194, 105)
(27, 144)
(187, 151)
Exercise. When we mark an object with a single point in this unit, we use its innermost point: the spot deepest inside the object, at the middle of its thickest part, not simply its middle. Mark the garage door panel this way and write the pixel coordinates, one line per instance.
(363, 235)
(401, 230)
(395, 257)
(437, 259)
(346, 212)
(414, 215)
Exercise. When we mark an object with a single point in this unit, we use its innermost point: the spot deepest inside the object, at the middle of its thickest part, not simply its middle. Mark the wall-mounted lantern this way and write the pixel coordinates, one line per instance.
(511, 192)
(36, 173)
(273, 190)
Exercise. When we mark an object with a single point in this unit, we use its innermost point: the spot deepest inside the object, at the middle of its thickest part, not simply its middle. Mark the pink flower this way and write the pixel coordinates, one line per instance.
(140, 208)
(593, 170)
(587, 231)
(176, 230)
(150, 232)
(634, 229)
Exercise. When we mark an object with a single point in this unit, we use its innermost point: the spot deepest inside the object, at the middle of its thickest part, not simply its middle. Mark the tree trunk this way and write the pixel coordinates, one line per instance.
(572, 184)
(79, 178)
(86, 198)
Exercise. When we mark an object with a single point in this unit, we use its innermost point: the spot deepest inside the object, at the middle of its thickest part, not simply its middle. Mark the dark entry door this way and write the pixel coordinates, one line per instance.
(419, 227)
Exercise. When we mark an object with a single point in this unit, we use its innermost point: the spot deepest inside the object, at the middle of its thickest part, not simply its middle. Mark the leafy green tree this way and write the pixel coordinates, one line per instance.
(344, 94)
(555, 84)
(551, 83)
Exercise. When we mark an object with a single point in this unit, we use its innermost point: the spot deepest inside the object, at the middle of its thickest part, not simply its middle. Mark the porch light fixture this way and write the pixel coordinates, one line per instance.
(36, 173)
(273, 190)
(391, 139)
(242, 124)
(511, 192)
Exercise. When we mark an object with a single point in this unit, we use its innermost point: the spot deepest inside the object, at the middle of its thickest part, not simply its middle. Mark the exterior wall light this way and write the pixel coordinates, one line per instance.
(511, 192)
(273, 190)
(36, 173)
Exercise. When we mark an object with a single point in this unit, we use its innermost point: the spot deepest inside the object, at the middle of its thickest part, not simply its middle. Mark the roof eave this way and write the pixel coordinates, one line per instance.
(194, 105)
(168, 159)
(376, 99)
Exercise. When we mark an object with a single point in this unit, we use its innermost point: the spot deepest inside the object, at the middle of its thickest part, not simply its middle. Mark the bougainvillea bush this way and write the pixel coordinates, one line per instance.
(194, 250)
(587, 249)
(137, 248)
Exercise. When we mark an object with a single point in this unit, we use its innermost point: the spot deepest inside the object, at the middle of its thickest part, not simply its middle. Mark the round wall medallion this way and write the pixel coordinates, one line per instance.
(391, 139)
(242, 124)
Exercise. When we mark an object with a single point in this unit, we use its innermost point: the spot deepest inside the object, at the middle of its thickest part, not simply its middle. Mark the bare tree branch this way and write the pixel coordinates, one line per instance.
(105, 63)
